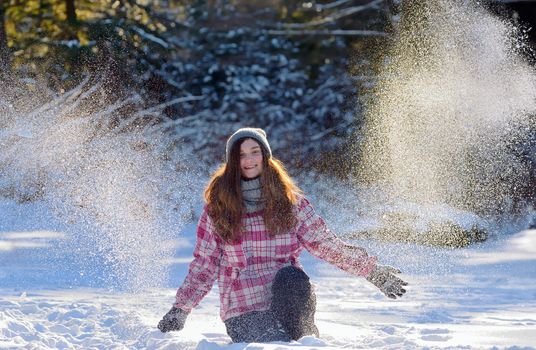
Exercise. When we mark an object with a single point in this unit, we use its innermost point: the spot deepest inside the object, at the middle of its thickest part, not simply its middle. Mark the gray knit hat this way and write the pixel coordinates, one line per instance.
(257, 134)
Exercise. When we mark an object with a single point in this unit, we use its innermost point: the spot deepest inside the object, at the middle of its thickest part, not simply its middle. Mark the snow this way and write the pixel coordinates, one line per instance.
(480, 297)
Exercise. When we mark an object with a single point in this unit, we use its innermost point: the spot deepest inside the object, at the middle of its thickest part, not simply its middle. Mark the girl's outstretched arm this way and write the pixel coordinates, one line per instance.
(316, 237)
(203, 270)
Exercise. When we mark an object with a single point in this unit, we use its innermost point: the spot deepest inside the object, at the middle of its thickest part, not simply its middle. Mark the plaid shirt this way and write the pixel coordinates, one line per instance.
(245, 269)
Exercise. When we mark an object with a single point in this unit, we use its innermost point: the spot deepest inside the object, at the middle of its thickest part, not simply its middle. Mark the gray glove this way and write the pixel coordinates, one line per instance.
(383, 277)
(173, 320)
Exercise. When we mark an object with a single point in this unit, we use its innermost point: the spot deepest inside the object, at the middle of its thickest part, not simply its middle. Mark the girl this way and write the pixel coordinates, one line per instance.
(249, 237)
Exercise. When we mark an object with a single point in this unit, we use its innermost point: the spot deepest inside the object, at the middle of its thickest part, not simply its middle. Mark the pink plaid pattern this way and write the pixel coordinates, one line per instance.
(245, 269)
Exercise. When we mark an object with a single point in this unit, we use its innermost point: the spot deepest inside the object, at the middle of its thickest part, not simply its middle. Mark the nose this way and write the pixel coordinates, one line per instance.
(249, 158)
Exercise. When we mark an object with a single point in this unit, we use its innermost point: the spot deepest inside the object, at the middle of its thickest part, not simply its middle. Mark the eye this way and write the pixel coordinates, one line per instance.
(256, 151)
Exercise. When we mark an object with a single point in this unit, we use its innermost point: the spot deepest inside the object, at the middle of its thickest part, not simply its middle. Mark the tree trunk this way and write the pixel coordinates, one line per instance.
(71, 12)
(4, 50)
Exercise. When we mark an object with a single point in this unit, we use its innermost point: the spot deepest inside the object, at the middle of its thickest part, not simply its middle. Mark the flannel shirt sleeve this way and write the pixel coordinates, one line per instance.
(316, 237)
(203, 270)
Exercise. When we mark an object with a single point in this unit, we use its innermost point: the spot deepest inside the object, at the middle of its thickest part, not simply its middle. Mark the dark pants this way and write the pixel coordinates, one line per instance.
(291, 315)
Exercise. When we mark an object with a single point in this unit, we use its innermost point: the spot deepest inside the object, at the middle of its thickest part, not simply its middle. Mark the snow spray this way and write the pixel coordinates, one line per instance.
(105, 171)
(456, 95)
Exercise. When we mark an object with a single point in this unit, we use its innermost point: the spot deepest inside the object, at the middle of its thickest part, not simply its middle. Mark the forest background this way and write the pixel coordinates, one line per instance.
(301, 69)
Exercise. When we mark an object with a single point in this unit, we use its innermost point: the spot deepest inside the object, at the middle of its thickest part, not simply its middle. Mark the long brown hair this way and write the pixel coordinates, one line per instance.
(224, 196)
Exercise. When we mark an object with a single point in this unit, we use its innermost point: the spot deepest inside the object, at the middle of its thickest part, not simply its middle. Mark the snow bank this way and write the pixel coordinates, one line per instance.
(475, 298)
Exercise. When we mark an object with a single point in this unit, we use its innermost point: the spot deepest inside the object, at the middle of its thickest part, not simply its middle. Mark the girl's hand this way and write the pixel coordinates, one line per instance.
(383, 277)
(173, 320)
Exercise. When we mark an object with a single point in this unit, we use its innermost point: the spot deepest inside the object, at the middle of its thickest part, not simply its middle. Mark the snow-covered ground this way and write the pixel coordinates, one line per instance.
(482, 297)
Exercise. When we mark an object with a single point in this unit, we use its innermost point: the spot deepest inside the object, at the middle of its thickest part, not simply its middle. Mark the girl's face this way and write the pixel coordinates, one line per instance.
(250, 159)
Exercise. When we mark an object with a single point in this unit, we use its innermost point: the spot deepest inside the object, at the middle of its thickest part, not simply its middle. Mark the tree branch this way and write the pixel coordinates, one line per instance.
(167, 104)
(335, 32)
(322, 7)
(331, 18)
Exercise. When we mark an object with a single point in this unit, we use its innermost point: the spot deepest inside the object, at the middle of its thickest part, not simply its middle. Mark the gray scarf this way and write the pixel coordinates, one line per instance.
(251, 194)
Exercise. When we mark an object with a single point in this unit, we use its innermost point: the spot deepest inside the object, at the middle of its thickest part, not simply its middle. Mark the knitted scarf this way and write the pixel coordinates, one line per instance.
(251, 194)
